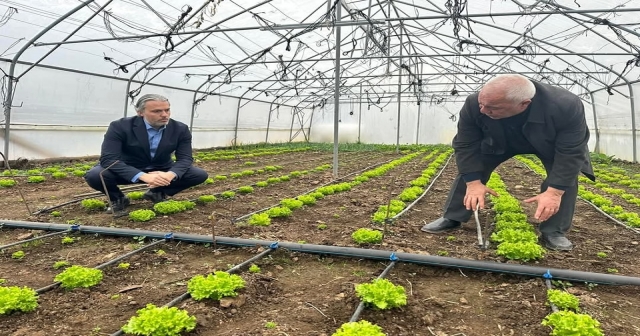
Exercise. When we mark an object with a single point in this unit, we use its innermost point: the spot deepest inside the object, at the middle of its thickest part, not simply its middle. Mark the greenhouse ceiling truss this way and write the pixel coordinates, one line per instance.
(378, 30)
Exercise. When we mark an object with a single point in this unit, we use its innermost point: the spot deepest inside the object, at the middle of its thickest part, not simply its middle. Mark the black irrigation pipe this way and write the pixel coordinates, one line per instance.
(166, 237)
(360, 308)
(232, 270)
(616, 221)
(547, 281)
(351, 252)
(433, 181)
(312, 190)
(73, 229)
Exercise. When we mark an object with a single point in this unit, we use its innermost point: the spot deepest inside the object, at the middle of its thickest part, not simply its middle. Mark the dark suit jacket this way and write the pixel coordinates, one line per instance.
(556, 128)
(127, 140)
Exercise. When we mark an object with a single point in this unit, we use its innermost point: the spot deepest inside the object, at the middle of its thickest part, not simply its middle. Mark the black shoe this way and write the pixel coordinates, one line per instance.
(441, 225)
(155, 196)
(559, 243)
(119, 205)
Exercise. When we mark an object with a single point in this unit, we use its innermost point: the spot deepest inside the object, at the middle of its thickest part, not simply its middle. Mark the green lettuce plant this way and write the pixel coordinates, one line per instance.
(170, 207)
(291, 203)
(79, 276)
(17, 255)
(360, 328)
(262, 184)
(93, 204)
(60, 264)
(307, 199)
(261, 219)
(568, 323)
(16, 299)
(254, 268)
(135, 195)
(382, 294)
(35, 179)
(279, 212)
(206, 198)
(215, 286)
(245, 189)
(7, 183)
(59, 175)
(562, 299)
(367, 236)
(228, 194)
(160, 321)
(142, 215)
(520, 251)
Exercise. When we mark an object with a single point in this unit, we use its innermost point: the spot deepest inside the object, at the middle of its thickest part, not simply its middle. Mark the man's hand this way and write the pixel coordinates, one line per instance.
(548, 203)
(475, 195)
(157, 178)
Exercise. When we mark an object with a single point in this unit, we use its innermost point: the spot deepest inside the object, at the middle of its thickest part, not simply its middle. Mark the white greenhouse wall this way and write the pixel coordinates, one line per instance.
(61, 113)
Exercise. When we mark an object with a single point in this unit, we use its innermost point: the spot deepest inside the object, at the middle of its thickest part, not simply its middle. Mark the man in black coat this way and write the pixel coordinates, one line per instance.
(512, 115)
(138, 150)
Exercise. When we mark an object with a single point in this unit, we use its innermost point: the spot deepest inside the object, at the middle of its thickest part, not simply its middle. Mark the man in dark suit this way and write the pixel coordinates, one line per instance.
(138, 150)
(512, 115)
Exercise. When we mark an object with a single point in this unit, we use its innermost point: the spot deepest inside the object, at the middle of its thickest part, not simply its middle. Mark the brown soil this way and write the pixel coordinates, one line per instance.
(310, 294)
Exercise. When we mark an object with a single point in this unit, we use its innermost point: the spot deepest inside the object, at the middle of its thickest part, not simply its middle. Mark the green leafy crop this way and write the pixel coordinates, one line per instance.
(59, 175)
(50, 170)
(142, 215)
(35, 179)
(135, 195)
(170, 207)
(17, 255)
(262, 184)
(367, 236)
(67, 240)
(228, 194)
(520, 251)
(78, 173)
(307, 199)
(272, 180)
(568, 323)
(317, 195)
(360, 328)
(245, 189)
(79, 276)
(160, 321)
(514, 236)
(17, 299)
(33, 172)
(562, 299)
(93, 204)
(209, 180)
(247, 172)
(410, 194)
(214, 286)
(235, 175)
(6, 183)
(56, 213)
(206, 198)
(382, 294)
(254, 268)
(220, 177)
(60, 264)
(279, 212)
(291, 203)
(261, 219)
(602, 255)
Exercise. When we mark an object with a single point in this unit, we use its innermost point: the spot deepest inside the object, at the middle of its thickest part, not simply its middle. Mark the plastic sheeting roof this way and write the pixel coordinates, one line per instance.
(443, 49)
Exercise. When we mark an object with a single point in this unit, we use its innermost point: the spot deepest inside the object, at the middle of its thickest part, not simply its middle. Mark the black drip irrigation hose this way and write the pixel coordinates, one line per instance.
(73, 229)
(351, 252)
(312, 190)
(232, 270)
(433, 181)
(166, 237)
(360, 308)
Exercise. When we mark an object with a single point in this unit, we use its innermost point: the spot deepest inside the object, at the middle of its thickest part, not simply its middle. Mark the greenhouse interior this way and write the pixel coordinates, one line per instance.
(320, 167)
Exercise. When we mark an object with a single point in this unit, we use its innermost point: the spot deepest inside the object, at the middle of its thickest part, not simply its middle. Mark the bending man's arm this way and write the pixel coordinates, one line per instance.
(111, 152)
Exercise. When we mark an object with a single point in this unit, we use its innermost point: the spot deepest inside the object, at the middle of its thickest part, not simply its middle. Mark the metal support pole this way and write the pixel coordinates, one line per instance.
(366, 40)
(266, 138)
(293, 117)
(360, 114)
(235, 130)
(336, 92)
(313, 110)
(193, 110)
(12, 70)
(595, 123)
(633, 121)
(418, 125)
(399, 95)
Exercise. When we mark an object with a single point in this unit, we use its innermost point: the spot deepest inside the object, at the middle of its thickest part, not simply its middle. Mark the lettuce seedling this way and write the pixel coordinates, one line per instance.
(247, 172)
(279, 212)
(272, 180)
(261, 219)
(520, 251)
(220, 177)
(60, 264)
(14, 299)
(361, 179)
(367, 236)
(206, 198)
(270, 168)
(307, 199)
(6, 183)
(382, 294)
(295, 173)
(228, 194)
(245, 189)
(135, 195)
(214, 286)
(270, 325)
(33, 172)
(360, 328)
(56, 213)
(59, 175)
(50, 170)
(250, 163)
(562, 299)
(285, 178)
(169, 207)
(568, 323)
(235, 175)
(410, 194)
(124, 265)
(254, 268)
(35, 179)
(262, 184)
(78, 173)
(209, 180)
(153, 321)
(317, 195)
(17, 255)
(142, 215)
(291, 203)
(79, 276)
(514, 236)
(93, 204)
(327, 190)
(67, 240)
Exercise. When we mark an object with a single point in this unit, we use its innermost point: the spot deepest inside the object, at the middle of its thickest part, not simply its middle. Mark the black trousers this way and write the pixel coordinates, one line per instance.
(193, 176)
(556, 225)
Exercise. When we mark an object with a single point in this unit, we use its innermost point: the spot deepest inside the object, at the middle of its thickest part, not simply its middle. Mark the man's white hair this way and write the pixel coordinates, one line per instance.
(516, 88)
(142, 101)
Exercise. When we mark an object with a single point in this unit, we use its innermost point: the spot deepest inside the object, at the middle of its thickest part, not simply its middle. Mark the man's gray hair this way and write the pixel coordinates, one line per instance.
(142, 101)
(516, 88)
